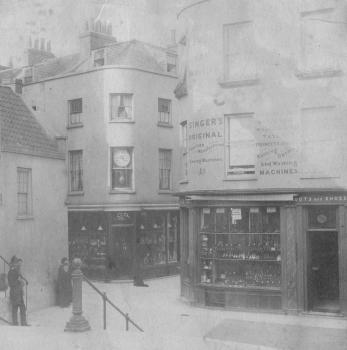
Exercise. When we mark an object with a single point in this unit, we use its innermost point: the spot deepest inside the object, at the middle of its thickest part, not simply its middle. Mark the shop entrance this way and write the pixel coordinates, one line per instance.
(322, 271)
(122, 249)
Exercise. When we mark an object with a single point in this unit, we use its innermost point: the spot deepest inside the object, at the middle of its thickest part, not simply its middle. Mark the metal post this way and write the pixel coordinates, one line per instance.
(5, 277)
(104, 301)
(77, 321)
(126, 322)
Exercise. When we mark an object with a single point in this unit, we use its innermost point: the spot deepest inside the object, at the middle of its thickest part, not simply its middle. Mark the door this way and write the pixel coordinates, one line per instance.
(122, 251)
(322, 271)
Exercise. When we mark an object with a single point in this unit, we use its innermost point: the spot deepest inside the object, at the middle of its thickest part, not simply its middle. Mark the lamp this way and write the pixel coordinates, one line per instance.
(142, 227)
(83, 228)
(100, 228)
(155, 226)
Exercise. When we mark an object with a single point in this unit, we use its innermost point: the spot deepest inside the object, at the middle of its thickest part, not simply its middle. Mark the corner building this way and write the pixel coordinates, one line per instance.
(112, 105)
(263, 184)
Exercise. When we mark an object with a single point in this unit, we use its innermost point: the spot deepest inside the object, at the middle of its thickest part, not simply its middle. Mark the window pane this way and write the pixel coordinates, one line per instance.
(164, 169)
(121, 106)
(24, 191)
(164, 111)
(76, 171)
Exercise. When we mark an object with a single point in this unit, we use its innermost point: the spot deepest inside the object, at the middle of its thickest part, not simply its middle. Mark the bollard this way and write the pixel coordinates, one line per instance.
(77, 321)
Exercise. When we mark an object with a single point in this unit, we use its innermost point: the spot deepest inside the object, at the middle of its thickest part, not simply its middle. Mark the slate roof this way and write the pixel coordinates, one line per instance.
(20, 132)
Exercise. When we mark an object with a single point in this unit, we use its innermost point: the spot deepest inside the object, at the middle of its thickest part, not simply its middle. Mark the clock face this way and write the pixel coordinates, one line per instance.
(121, 158)
(322, 219)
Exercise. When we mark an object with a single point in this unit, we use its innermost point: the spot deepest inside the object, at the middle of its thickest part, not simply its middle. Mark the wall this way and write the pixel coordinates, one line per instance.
(283, 86)
(41, 241)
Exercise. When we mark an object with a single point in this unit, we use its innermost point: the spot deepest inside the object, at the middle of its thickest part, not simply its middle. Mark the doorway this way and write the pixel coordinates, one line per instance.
(322, 271)
(122, 250)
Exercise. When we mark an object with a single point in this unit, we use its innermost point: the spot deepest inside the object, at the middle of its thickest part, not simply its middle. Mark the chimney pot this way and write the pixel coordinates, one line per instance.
(42, 46)
(49, 48)
(36, 44)
(109, 29)
(30, 42)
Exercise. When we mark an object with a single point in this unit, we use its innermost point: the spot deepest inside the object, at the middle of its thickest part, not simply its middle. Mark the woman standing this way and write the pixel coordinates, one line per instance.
(64, 284)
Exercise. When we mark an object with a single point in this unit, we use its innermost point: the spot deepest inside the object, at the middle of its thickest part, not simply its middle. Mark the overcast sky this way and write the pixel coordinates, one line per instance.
(61, 21)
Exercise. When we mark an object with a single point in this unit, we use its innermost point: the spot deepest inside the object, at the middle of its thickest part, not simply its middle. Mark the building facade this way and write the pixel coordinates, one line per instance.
(33, 216)
(114, 105)
(263, 190)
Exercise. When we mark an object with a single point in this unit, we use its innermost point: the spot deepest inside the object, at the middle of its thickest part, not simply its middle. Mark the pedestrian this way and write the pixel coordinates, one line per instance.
(64, 286)
(16, 284)
(139, 257)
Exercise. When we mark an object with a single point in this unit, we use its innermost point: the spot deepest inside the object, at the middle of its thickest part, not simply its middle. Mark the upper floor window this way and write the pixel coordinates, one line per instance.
(165, 157)
(240, 144)
(24, 192)
(75, 171)
(171, 63)
(184, 149)
(121, 107)
(99, 57)
(122, 168)
(239, 51)
(319, 49)
(164, 111)
(75, 112)
(321, 135)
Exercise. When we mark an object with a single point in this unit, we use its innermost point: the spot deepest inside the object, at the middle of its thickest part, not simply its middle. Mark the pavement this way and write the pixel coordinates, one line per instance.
(169, 323)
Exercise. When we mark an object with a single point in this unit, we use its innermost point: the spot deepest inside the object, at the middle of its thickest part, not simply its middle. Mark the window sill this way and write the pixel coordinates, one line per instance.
(163, 125)
(76, 193)
(26, 217)
(122, 191)
(317, 176)
(74, 126)
(184, 181)
(122, 121)
(165, 191)
(318, 74)
(230, 84)
(240, 178)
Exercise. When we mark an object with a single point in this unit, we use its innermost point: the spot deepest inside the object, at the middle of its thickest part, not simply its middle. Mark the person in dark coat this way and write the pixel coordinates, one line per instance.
(139, 256)
(16, 283)
(64, 285)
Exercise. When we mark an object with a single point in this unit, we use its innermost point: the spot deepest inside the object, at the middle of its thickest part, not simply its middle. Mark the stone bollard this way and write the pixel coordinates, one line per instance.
(77, 321)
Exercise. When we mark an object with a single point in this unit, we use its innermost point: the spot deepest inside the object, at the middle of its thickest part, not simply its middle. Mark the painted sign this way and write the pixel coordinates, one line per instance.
(321, 198)
(276, 155)
(205, 136)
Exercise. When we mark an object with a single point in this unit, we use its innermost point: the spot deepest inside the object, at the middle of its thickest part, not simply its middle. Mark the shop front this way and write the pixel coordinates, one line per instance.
(269, 251)
(111, 242)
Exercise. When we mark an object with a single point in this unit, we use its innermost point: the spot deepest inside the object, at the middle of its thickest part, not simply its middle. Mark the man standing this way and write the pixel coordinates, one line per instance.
(139, 256)
(16, 283)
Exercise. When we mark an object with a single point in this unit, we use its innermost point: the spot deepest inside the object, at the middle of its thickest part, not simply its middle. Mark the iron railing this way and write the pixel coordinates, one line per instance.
(106, 300)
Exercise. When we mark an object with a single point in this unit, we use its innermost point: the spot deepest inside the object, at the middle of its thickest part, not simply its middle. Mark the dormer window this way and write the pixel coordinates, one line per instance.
(99, 58)
(28, 75)
(171, 63)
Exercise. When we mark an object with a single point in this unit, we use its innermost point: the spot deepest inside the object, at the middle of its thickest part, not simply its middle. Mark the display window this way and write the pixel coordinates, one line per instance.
(240, 247)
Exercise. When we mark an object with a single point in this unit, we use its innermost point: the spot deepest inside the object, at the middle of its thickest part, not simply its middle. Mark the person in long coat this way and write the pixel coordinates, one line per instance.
(16, 284)
(64, 285)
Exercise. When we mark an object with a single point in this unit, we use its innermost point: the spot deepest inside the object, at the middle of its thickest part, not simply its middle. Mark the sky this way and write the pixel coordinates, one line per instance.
(61, 21)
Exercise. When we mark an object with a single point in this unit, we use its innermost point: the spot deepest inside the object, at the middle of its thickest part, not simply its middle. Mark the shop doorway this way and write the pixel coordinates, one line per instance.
(322, 271)
(122, 250)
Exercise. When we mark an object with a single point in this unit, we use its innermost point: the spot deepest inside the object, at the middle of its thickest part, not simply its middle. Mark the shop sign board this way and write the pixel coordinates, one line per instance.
(322, 199)
(122, 217)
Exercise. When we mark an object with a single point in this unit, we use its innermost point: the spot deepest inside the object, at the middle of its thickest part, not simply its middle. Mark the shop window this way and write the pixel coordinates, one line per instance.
(321, 136)
(172, 237)
(76, 171)
(24, 192)
(75, 112)
(240, 144)
(165, 164)
(184, 150)
(240, 247)
(239, 51)
(164, 112)
(322, 217)
(122, 168)
(121, 107)
(319, 50)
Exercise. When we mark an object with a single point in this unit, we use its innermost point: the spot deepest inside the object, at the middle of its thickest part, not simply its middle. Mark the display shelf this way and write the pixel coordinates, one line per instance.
(246, 260)
(248, 288)
(239, 233)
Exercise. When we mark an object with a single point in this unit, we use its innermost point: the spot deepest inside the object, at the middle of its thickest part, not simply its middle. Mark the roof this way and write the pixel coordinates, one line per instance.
(20, 132)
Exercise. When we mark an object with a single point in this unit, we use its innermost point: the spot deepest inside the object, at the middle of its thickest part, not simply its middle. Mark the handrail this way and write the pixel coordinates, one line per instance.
(106, 299)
